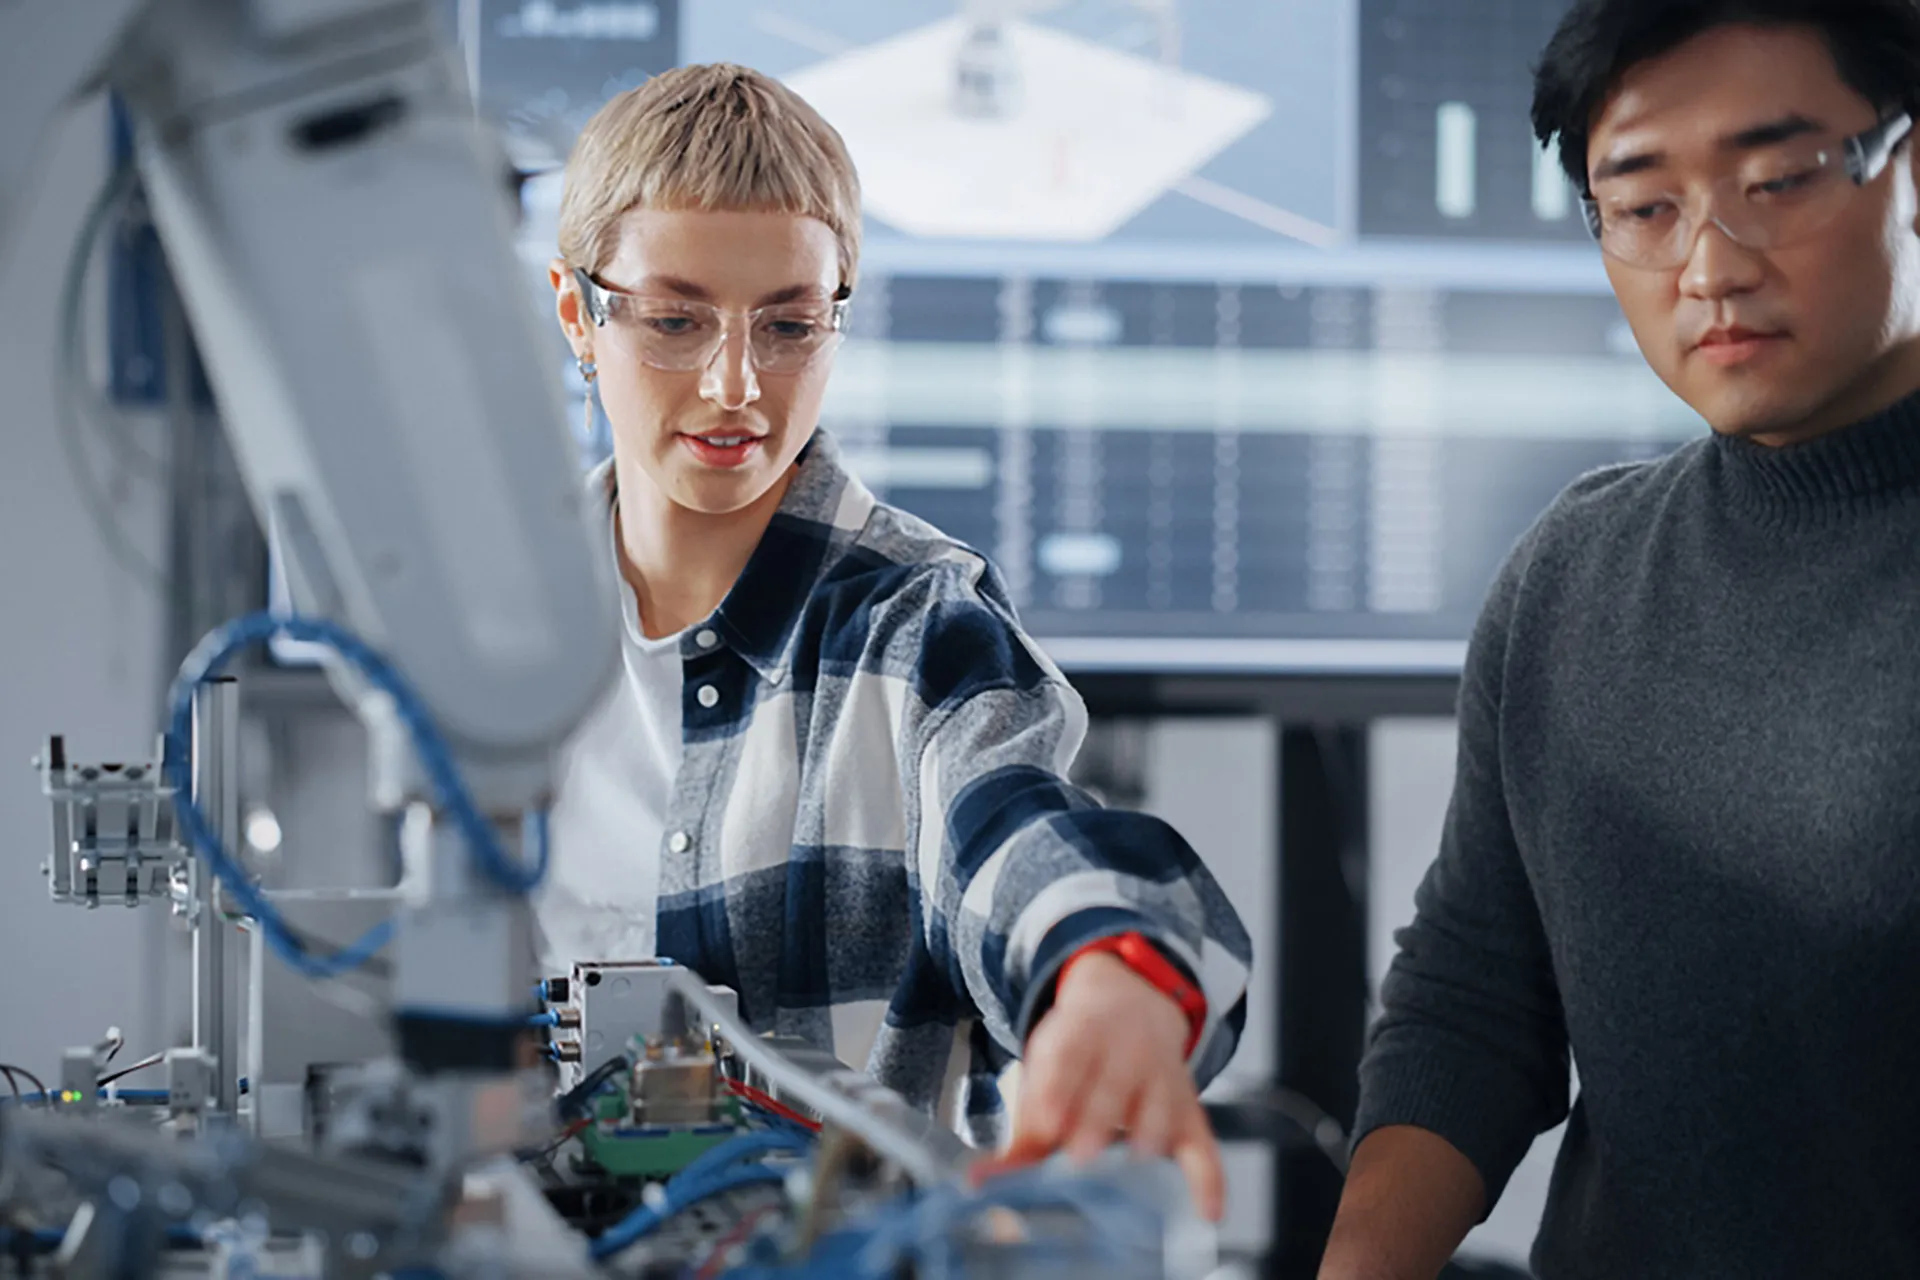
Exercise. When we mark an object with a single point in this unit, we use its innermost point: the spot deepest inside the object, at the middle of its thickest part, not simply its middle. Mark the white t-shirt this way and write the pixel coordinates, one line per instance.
(615, 779)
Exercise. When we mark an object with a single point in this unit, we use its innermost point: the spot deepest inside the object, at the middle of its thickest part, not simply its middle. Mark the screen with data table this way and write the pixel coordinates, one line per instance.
(1243, 335)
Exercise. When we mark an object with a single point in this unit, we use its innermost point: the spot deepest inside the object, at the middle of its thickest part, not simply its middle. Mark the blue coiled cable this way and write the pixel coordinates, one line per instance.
(436, 760)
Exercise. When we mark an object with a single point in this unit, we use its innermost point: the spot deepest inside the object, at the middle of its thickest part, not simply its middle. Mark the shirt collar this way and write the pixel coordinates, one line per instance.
(825, 509)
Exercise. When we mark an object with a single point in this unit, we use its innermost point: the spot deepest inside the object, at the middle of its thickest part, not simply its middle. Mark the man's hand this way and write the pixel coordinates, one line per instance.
(1107, 1062)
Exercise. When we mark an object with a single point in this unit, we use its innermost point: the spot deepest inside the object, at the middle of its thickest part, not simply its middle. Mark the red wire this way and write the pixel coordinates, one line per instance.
(717, 1256)
(768, 1102)
(547, 1152)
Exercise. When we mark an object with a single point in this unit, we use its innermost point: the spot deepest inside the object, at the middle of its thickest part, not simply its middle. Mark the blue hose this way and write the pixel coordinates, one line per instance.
(712, 1173)
(436, 760)
(644, 1220)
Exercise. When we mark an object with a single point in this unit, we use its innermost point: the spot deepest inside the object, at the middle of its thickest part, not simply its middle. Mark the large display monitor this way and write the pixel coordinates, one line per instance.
(1244, 335)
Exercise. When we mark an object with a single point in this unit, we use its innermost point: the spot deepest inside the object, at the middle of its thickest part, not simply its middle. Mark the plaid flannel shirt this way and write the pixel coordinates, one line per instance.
(872, 838)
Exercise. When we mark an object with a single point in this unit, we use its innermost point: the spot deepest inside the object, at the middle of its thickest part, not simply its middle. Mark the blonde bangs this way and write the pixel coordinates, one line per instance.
(714, 137)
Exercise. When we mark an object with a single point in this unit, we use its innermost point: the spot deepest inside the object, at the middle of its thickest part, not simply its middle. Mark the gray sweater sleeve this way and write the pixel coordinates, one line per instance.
(1471, 1043)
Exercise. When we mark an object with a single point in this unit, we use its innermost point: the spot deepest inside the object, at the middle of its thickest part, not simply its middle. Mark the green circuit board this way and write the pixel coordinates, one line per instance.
(624, 1150)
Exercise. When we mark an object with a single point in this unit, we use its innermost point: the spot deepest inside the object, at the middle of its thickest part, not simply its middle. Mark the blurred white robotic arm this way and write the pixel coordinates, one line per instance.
(339, 227)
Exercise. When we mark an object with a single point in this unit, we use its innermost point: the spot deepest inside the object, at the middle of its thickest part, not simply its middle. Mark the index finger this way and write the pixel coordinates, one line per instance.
(1198, 1155)
(1023, 1154)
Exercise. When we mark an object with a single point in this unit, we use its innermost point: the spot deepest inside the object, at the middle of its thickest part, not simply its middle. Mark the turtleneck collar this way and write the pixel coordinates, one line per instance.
(1831, 476)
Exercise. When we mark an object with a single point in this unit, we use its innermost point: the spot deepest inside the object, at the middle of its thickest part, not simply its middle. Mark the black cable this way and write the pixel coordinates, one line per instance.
(575, 1108)
(543, 1156)
(121, 186)
(92, 492)
(577, 1102)
(153, 1061)
(1250, 1117)
(11, 1082)
(46, 1095)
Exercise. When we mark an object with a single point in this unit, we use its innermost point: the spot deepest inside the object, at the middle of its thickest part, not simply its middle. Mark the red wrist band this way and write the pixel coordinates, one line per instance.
(1147, 960)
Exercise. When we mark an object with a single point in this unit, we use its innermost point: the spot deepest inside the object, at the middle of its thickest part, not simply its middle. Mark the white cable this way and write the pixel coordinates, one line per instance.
(830, 1095)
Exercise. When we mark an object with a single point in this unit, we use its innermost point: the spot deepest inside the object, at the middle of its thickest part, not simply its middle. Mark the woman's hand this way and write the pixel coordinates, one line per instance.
(1107, 1062)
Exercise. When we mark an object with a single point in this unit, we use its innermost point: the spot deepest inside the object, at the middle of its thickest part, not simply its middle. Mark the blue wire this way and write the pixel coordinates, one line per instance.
(510, 875)
(548, 1019)
(644, 1219)
(925, 1228)
(436, 760)
(708, 1175)
(835, 1257)
(125, 1095)
(50, 1238)
(747, 1146)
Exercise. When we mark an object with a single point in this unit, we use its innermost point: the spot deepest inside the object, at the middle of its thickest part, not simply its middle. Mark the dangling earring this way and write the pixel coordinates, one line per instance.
(588, 372)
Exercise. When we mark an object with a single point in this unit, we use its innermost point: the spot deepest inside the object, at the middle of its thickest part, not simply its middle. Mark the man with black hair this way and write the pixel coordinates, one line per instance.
(1684, 843)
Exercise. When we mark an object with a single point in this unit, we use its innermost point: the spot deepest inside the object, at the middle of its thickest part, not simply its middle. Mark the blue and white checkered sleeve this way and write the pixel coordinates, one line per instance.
(1018, 868)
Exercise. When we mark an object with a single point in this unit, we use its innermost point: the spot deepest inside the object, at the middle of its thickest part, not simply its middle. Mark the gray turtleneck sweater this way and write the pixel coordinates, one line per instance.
(1684, 846)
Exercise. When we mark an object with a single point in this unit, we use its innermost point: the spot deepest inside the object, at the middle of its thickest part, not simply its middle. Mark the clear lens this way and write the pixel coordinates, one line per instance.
(1776, 199)
(681, 336)
(671, 334)
(786, 339)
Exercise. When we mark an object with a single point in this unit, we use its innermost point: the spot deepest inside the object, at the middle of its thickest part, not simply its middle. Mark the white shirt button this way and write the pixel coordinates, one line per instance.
(706, 639)
(678, 842)
(708, 696)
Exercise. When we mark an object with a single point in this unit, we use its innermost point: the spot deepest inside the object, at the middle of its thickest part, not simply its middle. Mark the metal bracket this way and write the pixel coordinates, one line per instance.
(114, 838)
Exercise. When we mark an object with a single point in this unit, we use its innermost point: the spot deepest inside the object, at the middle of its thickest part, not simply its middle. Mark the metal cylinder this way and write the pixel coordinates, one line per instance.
(216, 788)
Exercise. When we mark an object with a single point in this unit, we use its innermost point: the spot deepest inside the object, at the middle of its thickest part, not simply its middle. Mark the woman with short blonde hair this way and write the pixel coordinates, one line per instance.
(832, 775)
